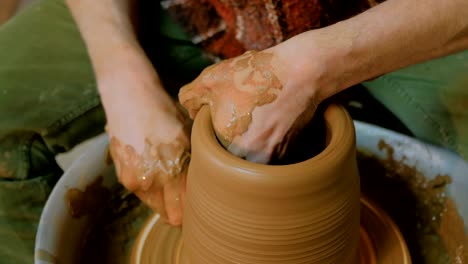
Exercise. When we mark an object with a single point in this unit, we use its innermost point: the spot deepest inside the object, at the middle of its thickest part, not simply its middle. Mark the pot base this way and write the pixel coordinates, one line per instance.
(380, 240)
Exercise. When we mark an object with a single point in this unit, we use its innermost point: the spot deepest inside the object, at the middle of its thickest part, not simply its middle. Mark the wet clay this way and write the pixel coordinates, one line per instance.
(43, 255)
(114, 215)
(243, 212)
(380, 241)
(241, 84)
(387, 242)
(158, 164)
(164, 243)
(428, 220)
(93, 198)
(453, 234)
(385, 183)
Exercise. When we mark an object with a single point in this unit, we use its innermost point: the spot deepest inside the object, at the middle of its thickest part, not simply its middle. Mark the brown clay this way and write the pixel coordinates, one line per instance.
(429, 221)
(242, 212)
(157, 164)
(380, 241)
(93, 198)
(389, 245)
(157, 175)
(164, 243)
(453, 234)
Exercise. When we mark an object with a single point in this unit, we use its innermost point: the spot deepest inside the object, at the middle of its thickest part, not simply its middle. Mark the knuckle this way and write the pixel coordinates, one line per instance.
(129, 183)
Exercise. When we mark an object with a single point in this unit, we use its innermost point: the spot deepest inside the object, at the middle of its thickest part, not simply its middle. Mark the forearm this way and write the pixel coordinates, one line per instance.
(392, 35)
(400, 33)
(105, 26)
(115, 53)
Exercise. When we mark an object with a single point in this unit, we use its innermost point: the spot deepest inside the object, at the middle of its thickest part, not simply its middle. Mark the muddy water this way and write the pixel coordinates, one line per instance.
(426, 217)
(117, 217)
(420, 208)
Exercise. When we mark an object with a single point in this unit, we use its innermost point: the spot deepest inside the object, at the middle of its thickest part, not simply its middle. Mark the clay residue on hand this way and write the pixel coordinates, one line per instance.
(233, 89)
(157, 165)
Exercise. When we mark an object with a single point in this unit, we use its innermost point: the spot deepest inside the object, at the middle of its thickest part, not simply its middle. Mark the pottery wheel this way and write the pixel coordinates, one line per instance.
(380, 240)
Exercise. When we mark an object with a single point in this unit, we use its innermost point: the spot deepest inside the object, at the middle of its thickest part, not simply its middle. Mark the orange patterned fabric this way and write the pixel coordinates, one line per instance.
(227, 28)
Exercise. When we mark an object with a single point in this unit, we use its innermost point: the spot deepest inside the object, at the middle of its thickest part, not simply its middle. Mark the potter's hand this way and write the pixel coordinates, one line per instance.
(256, 105)
(149, 142)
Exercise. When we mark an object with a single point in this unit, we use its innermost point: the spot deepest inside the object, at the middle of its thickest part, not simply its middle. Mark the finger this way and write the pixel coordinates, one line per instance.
(191, 97)
(174, 193)
(196, 94)
(124, 166)
(237, 150)
(125, 176)
(154, 198)
(254, 145)
(183, 192)
(258, 157)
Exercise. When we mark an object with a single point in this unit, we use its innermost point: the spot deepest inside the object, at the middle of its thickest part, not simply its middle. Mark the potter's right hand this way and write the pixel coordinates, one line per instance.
(257, 104)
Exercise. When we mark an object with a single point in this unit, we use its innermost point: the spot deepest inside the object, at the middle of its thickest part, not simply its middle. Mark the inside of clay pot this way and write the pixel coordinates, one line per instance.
(244, 212)
(310, 141)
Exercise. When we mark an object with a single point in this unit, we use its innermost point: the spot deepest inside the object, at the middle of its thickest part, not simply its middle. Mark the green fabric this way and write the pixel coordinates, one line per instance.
(178, 61)
(21, 201)
(49, 103)
(431, 99)
(45, 75)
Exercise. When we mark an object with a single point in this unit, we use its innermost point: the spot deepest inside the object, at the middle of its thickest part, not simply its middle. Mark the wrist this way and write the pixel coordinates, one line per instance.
(320, 62)
(105, 27)
(129, 77)
(124, 59)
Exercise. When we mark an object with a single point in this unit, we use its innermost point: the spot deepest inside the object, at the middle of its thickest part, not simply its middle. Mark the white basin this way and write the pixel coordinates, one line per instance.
(59, 234)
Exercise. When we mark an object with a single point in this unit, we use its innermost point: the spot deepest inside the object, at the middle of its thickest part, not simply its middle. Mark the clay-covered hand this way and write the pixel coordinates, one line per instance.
(257, 105)
(149, 140)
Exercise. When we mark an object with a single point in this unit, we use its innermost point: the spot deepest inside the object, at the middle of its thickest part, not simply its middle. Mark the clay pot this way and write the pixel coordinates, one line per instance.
(242, 212)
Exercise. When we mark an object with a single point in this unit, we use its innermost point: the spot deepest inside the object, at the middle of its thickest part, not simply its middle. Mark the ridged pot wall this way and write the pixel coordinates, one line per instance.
(242, 212)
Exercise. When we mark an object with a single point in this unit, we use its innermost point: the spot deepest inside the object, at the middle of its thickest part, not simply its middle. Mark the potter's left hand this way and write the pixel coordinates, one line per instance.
(149, 138)
(256, 102)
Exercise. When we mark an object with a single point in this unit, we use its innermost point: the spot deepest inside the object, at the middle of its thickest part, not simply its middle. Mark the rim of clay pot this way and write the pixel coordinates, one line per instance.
(389, 243)
(341, 141)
